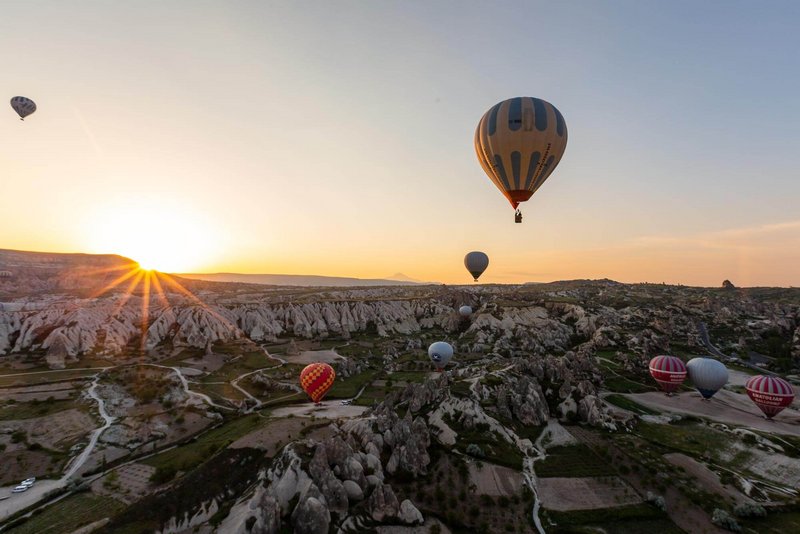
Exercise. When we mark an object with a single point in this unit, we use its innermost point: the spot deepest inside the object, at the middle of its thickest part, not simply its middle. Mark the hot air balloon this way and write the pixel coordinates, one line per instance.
(465, 311)
(669, 372)
(770, 393)
(23, 106)
(476, 262)
(519, 143)
(708, 375)
(440, 353)
(316, 379)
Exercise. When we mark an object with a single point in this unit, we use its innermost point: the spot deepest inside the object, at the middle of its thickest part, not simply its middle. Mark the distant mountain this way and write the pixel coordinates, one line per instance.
(398, 279)
(25, 273)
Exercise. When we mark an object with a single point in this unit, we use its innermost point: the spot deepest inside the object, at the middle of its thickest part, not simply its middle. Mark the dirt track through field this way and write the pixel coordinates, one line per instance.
(725, 407)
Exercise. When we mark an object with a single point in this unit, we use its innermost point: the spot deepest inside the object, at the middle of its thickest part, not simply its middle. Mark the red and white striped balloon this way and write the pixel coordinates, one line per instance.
(770, 393)
(669, 372)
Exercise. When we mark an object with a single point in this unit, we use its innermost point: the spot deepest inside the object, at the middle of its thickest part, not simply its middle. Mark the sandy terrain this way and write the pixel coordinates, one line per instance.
(771, 466)
(737, 378)
(421, 529)
(725, 407)
(133, 483)
(101, 451)
(19, 465)
(495, 480)
(55, 430)
(208, 363)
(311, 356)
(707, 478)
(278, 433)
(565, 494)
(555, 435)
(328, 410)
(190, 371)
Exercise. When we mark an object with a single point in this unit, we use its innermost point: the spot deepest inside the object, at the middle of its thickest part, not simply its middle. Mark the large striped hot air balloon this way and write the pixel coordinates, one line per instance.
(708, 375)
(519, 142)
(316, 379)
(668, 371)
(770, 393)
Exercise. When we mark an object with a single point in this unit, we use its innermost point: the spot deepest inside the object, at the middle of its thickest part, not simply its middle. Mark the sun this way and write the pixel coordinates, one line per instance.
(158, 235)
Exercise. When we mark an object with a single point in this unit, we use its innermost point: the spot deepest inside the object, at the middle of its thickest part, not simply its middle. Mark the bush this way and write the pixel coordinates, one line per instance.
(18, 436)
(163, 474)
(723, 519)
(657, 501)
(475, 450)
(750, 510)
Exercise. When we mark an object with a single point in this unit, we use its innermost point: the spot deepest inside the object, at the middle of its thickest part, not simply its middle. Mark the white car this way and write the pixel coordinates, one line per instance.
(20, 489)
(347, 402)
(28, 482)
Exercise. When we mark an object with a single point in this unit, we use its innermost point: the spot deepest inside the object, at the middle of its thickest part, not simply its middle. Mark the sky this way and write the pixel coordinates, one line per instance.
(336, 138)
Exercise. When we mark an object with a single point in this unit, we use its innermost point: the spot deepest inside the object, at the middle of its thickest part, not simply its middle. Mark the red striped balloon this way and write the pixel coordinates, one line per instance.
(669, 372)
(770, 393)
(316, 379)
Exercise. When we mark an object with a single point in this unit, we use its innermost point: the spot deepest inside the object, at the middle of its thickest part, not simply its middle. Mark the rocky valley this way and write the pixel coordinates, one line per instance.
(146, 402)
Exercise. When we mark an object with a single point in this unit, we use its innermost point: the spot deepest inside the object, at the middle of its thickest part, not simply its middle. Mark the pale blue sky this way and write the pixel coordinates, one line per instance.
(336, 137)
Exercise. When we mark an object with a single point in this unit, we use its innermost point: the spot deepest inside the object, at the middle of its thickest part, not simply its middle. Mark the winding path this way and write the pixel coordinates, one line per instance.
(188, 391)
(42, 488)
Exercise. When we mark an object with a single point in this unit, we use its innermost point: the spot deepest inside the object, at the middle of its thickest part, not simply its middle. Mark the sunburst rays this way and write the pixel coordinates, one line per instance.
(151, 284)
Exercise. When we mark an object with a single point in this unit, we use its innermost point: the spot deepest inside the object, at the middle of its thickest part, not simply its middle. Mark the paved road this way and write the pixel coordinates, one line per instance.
(703, 331)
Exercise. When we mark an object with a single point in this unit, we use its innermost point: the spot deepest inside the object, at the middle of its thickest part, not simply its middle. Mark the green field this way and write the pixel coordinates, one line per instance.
(194, 453)
(691, 438)
(774, 523)
(572, 461)
(23, 379)
(409, 376)
(619, 382)
(630, 405)
(345, 388)
(218, 392)
(495, 448)
(29, 410)
(634, 519)
(70, 514)
(370, 397)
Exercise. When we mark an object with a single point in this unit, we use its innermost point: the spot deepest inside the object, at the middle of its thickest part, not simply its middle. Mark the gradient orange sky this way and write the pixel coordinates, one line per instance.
(336, 138)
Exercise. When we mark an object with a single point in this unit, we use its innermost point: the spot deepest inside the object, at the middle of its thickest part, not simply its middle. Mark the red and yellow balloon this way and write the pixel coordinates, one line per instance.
(316, 379)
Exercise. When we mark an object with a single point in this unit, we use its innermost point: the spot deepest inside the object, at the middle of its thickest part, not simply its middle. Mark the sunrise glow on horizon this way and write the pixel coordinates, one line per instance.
(201, 137)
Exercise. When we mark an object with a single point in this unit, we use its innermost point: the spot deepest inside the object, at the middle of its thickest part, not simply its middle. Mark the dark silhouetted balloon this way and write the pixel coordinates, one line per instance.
(476, 262)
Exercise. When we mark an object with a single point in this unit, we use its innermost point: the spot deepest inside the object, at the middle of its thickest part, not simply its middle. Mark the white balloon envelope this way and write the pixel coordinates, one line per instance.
(708, 375)
(440, 353)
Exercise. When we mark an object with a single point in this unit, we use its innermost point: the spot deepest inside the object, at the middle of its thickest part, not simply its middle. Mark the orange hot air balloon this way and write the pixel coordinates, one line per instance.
(316, 379)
